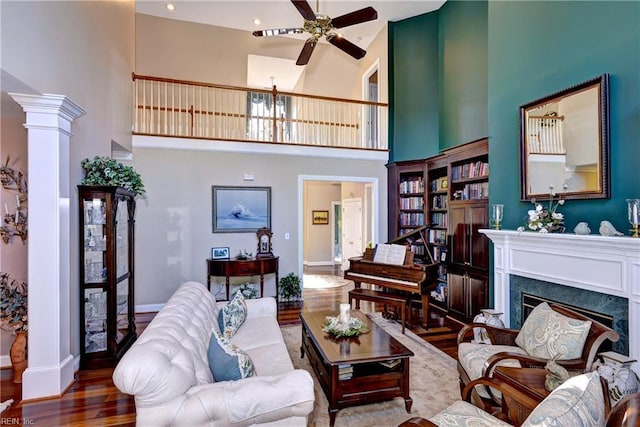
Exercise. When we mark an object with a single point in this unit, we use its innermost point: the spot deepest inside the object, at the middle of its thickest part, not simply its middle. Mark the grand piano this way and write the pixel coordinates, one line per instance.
(411, 278)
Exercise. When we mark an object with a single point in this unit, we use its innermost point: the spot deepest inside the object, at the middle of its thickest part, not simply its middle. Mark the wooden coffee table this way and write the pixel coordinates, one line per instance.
(349, 369)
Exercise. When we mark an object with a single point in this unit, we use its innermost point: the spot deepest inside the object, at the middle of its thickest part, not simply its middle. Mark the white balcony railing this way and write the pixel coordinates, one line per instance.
(166, 107)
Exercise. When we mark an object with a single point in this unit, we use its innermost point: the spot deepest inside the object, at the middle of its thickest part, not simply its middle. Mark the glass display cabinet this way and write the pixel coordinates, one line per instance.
(107, 326)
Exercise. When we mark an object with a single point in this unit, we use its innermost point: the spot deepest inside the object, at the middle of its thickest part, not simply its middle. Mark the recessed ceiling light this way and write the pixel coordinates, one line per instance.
(170, 6)
(256, 21)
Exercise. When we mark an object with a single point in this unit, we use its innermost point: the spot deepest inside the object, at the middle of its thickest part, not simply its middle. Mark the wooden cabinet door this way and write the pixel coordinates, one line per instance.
(459, 234)
(477, 288)
(477, 217)
(456, 295)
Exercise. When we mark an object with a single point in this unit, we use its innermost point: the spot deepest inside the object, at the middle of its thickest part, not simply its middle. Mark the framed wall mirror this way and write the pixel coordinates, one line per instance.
(564, 141)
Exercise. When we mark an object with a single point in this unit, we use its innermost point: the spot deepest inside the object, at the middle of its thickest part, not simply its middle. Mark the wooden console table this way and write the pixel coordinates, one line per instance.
(246, 267)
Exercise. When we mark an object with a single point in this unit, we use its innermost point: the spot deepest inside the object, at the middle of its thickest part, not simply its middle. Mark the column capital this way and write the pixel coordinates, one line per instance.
(48, 103)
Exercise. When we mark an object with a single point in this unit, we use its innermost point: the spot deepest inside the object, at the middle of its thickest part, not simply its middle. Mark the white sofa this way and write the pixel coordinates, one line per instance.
(167, 368)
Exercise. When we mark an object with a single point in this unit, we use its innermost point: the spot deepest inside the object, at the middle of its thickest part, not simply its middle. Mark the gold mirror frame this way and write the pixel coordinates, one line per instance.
(564, 140)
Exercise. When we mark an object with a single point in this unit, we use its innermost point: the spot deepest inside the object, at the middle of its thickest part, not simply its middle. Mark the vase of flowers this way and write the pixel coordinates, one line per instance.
(546, 219)
(13, 318)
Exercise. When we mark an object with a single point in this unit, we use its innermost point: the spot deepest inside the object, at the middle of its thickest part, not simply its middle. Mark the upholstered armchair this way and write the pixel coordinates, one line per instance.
(550, 332)
(580, 401)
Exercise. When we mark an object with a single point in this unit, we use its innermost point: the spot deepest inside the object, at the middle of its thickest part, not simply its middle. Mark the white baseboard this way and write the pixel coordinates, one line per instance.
(148, 308)
(318, 263)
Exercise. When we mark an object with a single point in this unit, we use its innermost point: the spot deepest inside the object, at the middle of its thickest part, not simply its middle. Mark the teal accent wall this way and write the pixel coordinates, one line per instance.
(538, 48)
(413, 88)
(463, 72)
(488, 59)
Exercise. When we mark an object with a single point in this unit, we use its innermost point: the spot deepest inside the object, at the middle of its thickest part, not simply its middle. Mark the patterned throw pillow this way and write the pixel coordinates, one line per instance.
(226, 361)
(579, 401)
(547, 334)
(232, 315)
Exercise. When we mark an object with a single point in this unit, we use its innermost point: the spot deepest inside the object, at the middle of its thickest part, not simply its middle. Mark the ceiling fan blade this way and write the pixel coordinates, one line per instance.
(307, 50)
(305, 10)
(346, 46)
(278, 32)
(356, 17)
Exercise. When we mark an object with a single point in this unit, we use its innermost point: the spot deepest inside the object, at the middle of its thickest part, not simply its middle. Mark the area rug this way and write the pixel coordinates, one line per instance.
(434, 383)
(323, 281)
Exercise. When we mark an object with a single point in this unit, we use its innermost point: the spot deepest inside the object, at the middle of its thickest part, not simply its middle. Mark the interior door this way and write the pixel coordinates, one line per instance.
(352, 228)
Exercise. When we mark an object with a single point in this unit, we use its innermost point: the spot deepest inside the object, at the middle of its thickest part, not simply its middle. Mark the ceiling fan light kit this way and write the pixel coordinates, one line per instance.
(319, 24)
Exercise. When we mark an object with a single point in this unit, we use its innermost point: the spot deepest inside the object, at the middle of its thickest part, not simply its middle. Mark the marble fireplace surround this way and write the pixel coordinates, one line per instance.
(606, 265)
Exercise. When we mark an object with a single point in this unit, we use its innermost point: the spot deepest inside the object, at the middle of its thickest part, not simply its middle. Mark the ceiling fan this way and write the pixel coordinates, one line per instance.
(318, 24)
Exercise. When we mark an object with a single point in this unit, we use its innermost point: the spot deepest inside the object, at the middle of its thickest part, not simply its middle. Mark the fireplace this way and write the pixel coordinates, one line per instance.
(609, 310)
(592, 272)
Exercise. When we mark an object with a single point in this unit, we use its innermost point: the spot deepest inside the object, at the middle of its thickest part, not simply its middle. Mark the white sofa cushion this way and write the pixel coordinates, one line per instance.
(547, 334)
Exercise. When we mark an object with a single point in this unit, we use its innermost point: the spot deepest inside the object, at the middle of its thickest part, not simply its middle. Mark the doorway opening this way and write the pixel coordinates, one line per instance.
(352, 200)
(370, 92)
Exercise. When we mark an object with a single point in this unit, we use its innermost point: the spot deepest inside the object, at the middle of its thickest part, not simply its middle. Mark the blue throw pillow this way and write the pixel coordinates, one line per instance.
(232, 315)
(226, 361)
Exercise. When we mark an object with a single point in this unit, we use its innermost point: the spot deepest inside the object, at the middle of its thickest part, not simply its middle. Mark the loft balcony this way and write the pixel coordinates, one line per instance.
(184, 109)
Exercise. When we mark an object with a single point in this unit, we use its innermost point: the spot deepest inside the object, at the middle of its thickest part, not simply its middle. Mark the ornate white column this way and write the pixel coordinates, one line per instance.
(48, 123)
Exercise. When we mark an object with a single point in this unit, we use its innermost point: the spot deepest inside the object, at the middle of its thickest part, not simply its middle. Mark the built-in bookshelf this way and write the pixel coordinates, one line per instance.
(470, 179)
(449, 193)
(437, 210)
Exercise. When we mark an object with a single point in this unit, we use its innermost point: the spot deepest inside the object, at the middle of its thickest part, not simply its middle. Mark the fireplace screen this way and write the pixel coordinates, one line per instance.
(529, 302)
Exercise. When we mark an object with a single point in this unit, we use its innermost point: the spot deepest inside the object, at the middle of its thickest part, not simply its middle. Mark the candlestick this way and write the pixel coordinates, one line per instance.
(633, 208)
(6, 209)
(345, 313)
(17, 213)
(18, 201)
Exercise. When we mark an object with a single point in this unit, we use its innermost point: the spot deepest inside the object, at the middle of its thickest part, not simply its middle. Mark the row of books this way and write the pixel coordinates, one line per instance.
(477, 191)
(440, 293)
(415, 185)
(418, 249)
(391, 363)
(439, 184)
(439, 219)
(470, 170)
(345, 371)
(411, 203)
(439, 253)
(437, 237)
(439, 201)
(415, 218)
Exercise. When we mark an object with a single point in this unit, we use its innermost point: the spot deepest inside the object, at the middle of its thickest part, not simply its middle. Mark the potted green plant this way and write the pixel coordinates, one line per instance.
(13, 318)
(248, 290)
(107, 171)
(290, 287)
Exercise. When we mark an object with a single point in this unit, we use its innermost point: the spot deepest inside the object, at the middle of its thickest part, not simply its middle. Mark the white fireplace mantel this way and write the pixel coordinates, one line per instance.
(609, 265)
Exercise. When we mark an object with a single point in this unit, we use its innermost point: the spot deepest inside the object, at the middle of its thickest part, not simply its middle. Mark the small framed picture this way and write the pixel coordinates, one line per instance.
(443, 183)
(321, 217)
(219, 253)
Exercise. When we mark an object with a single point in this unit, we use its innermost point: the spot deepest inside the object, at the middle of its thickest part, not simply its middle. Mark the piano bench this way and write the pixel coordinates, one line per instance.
(381, 298)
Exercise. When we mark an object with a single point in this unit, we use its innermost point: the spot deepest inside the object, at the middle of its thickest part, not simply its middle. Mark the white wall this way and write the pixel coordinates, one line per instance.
(81, 49)
(173, 226)
(318, 247)
(205, 53)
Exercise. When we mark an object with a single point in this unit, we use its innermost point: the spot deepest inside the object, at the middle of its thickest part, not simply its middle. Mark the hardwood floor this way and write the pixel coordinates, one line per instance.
(93, 400)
